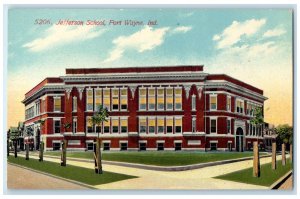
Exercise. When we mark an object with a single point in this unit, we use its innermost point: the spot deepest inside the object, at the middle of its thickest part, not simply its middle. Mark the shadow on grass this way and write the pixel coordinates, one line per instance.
(75, 173)
(267, 175)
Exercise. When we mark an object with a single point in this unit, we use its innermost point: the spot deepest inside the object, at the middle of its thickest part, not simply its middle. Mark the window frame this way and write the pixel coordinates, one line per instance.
(179, 96)
(142, 96)
(210, 102)
(87, 99)
(158, 96)
(210, 126)
(54, 126)
(54, 107)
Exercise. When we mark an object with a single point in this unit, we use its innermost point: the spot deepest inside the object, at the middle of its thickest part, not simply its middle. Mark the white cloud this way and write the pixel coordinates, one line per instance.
(143, 40)
(274, 32)
(182, 29)
(58, 35)
(233, 33)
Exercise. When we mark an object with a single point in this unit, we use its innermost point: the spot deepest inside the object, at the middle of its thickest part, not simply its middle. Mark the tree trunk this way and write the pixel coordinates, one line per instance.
(64, 153)
(291, 153)
(27, 152)
(283, 154)
(41, 154)
(98, 157)
(256, 169)
(15, 149)
(274, 155)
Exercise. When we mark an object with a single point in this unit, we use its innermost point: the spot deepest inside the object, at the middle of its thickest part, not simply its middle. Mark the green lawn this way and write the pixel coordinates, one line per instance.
(161, 158)
(267, 175)
(79, 174)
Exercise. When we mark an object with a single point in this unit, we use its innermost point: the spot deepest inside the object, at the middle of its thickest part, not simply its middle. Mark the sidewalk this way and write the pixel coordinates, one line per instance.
(19, 178)
(188, 180)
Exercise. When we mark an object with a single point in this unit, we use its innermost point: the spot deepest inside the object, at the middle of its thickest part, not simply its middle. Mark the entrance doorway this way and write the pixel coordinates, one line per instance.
(239, 139)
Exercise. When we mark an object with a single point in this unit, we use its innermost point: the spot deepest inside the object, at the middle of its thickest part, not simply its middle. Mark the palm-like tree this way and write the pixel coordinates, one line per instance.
(99, 116)
(41, 147)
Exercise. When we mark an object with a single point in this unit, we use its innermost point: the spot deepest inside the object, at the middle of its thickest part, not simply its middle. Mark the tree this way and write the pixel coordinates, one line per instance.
(284, 133)
(256, 121)
(99, 116)
(41, 153)
(66, 126)
(14, 135)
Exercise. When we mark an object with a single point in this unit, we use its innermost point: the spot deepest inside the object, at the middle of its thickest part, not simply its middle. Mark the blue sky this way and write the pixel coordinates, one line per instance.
(253, 45)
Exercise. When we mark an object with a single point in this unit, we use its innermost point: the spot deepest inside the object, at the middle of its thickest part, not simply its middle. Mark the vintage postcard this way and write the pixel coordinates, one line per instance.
(150, 99)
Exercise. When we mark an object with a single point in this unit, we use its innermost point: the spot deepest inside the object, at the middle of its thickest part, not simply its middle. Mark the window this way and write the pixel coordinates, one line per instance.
(160, 125)
(177, 146)
(89, 100)
(124, 125)
(213, 125)
(178, 98)
(142, 99)
(106, 98)
(160, 146)
(160, 99)
(151, 125)
(90, 146)
(229, 146)
(250, 129)
(98, 99)
(115, 99)
(98, 128)
(169, 125)
(57, 104)
(169, 100)
(228, 106)
(151, 98)
(89, 125)
(178, 125)
(124, 99)
(74, 125)
(142, 125)
(239, 106)
(106, 126)
(213, 146)
(106, 146)
(142, 146)
(193, 102)
(74, 104)
(115, 125)
(228, 126)
(123, 146)
(213, 102)
(56, 146)
(194, 124)
(56, 126)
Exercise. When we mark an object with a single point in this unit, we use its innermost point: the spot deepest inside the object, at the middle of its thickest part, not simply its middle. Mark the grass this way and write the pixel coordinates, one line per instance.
(267, 177)
(161, 158)
(84, 175)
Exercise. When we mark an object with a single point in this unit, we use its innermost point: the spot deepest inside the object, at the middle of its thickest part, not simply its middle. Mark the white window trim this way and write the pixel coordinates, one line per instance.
(243, 106)
(177, 95)
(103, 97)
(87, 96)
(168, 109)
(194, 122)
(73, 120)
(172, 118)
(86, 126)
(56, 119)
(175, 124)
(151, 88)
(111, 125)
(159, 96)
(216, 96)
(140, 89)
(74, 99)
(227, 99)
(151, 118)
(111, 100)
(157, 125)
(120, 123)
(210, 119)
(193, 102)
(144, 118)
(123, 97)
(56, 97)
(101, 102)
(229, 125)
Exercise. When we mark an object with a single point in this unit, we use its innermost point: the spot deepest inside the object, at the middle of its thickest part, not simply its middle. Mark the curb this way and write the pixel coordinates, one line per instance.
(54, 176)
(162, 168)
(281, 180)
